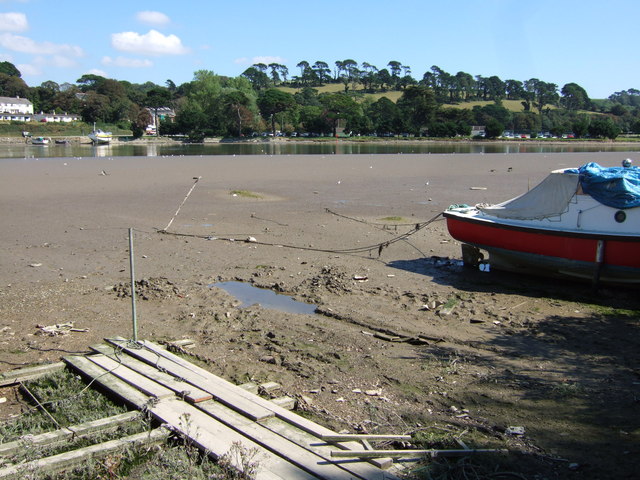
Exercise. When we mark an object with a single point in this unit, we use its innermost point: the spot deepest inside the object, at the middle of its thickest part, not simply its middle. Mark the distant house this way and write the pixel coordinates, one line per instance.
(56, 117)
(15, 108)
(478, 131)
(163, 114)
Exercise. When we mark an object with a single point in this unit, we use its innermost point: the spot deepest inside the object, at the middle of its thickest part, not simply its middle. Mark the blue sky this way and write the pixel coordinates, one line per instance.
(592, 43)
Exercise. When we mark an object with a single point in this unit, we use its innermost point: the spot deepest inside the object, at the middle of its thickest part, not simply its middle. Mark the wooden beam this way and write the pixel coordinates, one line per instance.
(352, 436)
(363, 469)
(225, 392)
(281, 446)
(65, 460)
(230, 394)
(211, 436)
(63, 435)
(133, 378)
(107, 381)
(182, 389)
(19, 375)
(409, 453)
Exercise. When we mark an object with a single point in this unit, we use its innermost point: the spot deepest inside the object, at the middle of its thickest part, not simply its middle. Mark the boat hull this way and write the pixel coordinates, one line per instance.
(602, 257)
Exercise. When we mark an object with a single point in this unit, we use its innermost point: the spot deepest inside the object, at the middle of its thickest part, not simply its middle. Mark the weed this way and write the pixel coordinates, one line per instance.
(245, 194)
(241, 460)
(567, 390)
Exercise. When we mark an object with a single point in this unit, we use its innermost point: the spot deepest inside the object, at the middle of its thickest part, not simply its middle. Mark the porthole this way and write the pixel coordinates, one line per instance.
(620, 216)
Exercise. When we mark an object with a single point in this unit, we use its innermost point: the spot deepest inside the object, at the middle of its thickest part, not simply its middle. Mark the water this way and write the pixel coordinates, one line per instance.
(299, 148)
(250, 295)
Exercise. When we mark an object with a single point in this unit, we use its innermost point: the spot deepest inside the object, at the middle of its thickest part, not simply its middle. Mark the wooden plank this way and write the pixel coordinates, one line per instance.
(217, 439)
(201, 377)
(281, 446)
(65, 460)
(63, 435)
(409, 453)
(13, 377)
(182, 389)
(107, 381)
(223, 391)
(362, 469)
(142, 383)
(357, 436)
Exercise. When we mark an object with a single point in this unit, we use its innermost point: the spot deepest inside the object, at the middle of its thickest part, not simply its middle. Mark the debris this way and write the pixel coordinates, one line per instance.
(514, 431)
(251, 240)
(360, 278)
(60, 329)
(3, 399)
(478, 188)
(35, 264)
(373, 393)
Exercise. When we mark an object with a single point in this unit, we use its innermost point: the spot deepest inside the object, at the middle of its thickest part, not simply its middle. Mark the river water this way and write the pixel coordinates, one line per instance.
(299, 148)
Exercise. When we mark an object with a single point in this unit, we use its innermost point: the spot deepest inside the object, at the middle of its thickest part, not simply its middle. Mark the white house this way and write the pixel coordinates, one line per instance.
(163, 114)
(19, 109)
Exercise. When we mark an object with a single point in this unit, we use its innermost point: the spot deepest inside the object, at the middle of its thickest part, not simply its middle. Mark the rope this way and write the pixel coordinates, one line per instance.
(369, 248)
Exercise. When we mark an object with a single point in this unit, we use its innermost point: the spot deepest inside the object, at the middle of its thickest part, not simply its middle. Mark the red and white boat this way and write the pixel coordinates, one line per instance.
(582, 223)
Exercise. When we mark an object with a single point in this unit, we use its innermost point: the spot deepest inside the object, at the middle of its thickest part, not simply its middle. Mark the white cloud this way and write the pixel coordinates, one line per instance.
(153, 18)
(267, 60)
(241, 61)
(29, 69)
(151, 43)
(96, 71)
(21, 44)
(13, 22)
(126, 62)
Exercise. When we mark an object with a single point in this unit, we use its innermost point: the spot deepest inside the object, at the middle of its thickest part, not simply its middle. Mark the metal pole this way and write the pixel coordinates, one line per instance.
(133, 288)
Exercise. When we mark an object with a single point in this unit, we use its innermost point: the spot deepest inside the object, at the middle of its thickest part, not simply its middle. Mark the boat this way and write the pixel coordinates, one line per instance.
(39, 141)
(99, 137)
(580, 223)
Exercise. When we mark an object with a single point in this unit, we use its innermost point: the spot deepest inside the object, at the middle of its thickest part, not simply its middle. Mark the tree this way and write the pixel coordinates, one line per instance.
(95, 108)
(514, 89)
(322, 71)
(12, 86)
(385, 116)
(338, 106)
(603, 127)
(493, 128)
(236, 105)
(10, 69)
(90, 81)
(257, 77)
(157, 98)
(418, 105)
(272, 102)
(580, 126)
(574, 97)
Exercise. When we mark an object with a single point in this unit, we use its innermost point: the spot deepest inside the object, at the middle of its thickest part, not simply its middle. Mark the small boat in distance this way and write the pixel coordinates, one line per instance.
(98, 137)
(581, 223)
(39, 141)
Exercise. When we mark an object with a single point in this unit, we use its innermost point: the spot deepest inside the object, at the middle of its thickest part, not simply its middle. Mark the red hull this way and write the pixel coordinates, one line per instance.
(618, 251)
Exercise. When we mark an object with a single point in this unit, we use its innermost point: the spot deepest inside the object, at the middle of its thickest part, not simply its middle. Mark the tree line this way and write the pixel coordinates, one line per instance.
(267, 98)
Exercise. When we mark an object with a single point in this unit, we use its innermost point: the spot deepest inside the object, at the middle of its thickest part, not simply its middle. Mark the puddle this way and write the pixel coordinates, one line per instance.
(250, 295)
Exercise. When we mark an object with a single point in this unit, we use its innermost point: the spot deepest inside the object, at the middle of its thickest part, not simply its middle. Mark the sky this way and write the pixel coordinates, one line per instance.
(592, 43)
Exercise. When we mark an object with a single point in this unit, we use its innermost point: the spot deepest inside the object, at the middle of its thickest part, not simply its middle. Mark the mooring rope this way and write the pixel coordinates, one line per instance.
(369, 248)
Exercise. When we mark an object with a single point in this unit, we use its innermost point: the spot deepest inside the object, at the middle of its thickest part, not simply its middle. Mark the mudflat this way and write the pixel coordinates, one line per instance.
(403, 339)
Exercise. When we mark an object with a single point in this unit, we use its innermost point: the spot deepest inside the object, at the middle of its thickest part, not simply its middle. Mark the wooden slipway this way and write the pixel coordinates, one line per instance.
(219, 416)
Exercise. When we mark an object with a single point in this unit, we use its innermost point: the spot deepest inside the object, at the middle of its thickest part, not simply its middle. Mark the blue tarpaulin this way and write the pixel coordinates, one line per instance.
(617, 187)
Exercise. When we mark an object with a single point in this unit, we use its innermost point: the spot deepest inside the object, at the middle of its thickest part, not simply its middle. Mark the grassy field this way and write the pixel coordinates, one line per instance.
(512, 105)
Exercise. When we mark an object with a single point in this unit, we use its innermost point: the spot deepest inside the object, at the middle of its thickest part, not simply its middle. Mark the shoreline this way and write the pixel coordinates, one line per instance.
(122, 140)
